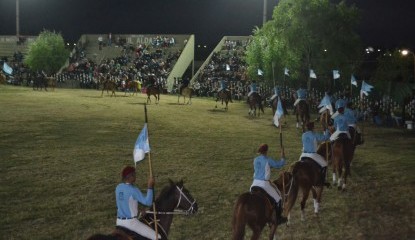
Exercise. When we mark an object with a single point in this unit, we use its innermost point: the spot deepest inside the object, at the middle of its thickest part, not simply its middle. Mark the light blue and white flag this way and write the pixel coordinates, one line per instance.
(353, 80)
(142, 145)
(228, 68)
(7, 69)
(286, 72)
(278, 113)
(336, 74)
(325, 104)
(260, 72)
(366, 88)
(312, 74)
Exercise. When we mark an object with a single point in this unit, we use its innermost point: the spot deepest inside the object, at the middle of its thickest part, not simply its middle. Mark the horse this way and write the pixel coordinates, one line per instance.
(109, 86)
(133, 86)
(254, 209)
(304, 175)
(274, 104)
(51, 82)
(2, 78)
(302, 112)
(40, 81)
(154, 90)
(224, 96)
(342, 152)
(173, 199)
(186, 92)
(255, 101)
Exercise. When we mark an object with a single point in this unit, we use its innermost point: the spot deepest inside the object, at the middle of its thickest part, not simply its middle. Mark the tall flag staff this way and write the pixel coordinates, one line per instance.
(142, 146)
(326, 106)
(365, 89)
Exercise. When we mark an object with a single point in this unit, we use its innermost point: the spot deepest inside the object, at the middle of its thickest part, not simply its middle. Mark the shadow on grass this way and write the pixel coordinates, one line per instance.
(217, 110)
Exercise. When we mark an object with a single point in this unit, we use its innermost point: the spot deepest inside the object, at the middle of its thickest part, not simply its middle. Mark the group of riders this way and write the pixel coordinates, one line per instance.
(341, 125)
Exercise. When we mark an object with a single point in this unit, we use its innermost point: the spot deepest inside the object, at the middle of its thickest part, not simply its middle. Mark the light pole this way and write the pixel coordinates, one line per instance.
(406, 52)
(264, 15)
(17, 20)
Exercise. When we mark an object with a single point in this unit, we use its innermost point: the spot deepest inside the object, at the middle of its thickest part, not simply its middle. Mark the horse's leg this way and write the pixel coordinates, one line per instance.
(296, 117)
(316, 198)
(306, 192)
(273, 229)
(256, 232)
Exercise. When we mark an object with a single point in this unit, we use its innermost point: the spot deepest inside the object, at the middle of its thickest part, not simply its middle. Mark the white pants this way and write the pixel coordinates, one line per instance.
(269, 188)
(297, 101)
(138, 227)
(250, 93)
(273, 97)
(316, 157)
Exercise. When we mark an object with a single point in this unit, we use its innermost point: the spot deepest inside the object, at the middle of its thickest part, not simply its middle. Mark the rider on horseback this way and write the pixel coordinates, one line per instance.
(341, 122)
(224, 88)
(262, 172)
(352, 119)
(276, 94)
(310, 141)
(127, 197)
(301, 95)
(185, 83)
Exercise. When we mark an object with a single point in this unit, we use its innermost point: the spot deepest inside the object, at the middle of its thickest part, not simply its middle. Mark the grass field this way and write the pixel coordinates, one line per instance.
(61, 153)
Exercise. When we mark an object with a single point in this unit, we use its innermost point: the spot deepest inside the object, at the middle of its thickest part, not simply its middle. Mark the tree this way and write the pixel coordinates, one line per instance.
(308, 34)
(47, 53)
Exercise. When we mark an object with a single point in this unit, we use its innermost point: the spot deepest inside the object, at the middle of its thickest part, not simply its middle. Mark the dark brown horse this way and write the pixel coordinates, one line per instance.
(255, 101)
(254, 209)
(186, 92)
(304, 175)
(155, 91)
(173, 199)
(225, 97)
(109, 86)
(302, 113)
(342, 152)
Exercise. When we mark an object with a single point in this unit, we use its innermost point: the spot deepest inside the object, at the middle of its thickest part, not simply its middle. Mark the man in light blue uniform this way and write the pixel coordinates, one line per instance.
(310, 141)
(224, 88)
(252, 88)
(276, 93)
(262, 174)
(352, 119)
(341, 123)
(127, 197)
(301, 95)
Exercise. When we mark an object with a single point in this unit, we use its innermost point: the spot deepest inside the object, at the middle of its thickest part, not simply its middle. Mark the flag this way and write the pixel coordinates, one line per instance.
(228, 68)
(278, 113)
(287, 72)
(7, 69)
(260, 72)
(366, 88)
(325, 104)
(312, 74)
(336, 74)
(353, 81)
(142, 145)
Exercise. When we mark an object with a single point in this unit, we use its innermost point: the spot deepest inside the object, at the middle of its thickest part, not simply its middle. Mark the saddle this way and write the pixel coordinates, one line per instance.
(261, 192)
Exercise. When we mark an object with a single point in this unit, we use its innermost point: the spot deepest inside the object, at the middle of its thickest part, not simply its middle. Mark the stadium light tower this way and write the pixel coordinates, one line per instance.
(264, 15)
(406, 52)
(17, 20)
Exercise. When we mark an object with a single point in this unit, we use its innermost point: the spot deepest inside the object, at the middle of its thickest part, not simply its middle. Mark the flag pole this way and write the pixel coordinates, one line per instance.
(151, 173)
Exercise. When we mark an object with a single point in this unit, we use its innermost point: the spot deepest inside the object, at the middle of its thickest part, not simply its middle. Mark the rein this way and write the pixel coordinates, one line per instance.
(289, 189)
(178, 212)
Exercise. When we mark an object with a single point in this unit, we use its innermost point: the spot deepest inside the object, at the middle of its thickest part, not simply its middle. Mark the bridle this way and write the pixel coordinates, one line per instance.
(182, 195)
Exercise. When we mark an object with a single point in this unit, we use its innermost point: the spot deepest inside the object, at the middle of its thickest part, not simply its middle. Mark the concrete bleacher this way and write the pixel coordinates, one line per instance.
(9, 45)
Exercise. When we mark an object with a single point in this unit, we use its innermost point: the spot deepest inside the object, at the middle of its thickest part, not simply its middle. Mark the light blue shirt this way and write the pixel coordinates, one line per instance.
(253, 87)
(340, 103)
(351, 117)
(311, 139)
(302, 93)
(276, 91)
(263, 165)
(341, 123)
(127, 197)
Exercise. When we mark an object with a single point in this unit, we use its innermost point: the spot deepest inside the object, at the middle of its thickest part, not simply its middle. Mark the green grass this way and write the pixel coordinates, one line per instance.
(61, 153)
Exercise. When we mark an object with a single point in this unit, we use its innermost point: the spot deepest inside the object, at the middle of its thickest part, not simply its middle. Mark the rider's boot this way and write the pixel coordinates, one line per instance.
(280, 219)
(323, 177)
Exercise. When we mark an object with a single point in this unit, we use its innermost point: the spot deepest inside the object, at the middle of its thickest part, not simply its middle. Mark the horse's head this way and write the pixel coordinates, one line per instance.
(178, 195)
(283, 181)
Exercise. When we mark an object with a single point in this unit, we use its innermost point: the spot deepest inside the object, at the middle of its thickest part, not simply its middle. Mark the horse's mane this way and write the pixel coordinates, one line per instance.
(167, 190)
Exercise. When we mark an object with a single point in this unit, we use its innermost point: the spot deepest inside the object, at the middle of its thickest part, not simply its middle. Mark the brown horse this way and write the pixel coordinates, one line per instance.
(224, 96)
(133, 86)
(255, 101)
(255, 209)
(302, 112)
(155, 91)
(274, 104)
(304, 175)
(173, 199)
(342, 152)
(2, 78)
(186, 92)
(51, 82)
(109, 86)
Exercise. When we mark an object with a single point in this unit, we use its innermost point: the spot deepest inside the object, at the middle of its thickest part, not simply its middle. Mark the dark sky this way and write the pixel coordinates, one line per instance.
(389, 24)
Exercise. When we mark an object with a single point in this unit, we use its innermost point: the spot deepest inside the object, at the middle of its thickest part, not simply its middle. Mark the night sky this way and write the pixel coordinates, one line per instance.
(389, 24)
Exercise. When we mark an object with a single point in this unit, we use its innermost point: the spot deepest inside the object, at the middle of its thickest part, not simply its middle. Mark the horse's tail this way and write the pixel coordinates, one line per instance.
(293, 190)
(238, 221)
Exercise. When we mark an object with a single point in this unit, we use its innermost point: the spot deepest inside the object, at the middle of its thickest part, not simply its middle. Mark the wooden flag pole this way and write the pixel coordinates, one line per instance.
(151, 172)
